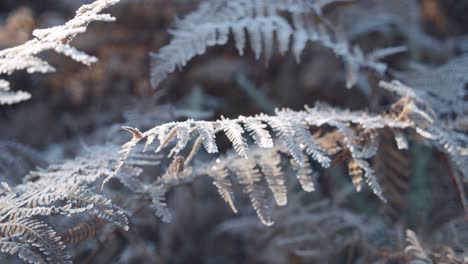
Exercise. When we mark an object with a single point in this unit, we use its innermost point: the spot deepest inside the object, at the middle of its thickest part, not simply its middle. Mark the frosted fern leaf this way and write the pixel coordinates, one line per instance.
(234, 133)
(260, 20)
(371, 179)
(183, 136)
(223, 183)
(317, 134)
(207, 134)
(249, 175)
(39, 235)
(305, 175)
(258, 132)
(270, 164)
(22, 250)
(285, 133)
(24, 57)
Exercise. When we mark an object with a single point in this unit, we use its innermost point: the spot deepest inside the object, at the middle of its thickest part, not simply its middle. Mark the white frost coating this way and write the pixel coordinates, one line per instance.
(263, 23)
(23, 57)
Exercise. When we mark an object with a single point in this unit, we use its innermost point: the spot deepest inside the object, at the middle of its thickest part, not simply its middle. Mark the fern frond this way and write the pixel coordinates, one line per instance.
(62, 189)
(234, 133)
(250, 176)
(68, 189)
(102, 207)
(257, 130)
(156, 193)
(78, 200)
(286, 130)
(24, 57)
(17, 213)
(127, 148)
(305, 139)
(292, 130)
(207, 135)
(81, 231)
(270, 164)
(23, 251)
(39, 235)
(371, 179)
(213, 21)
(220, 179)
(322, 134)
(183, 136)
(286, 133)
(305, 174)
